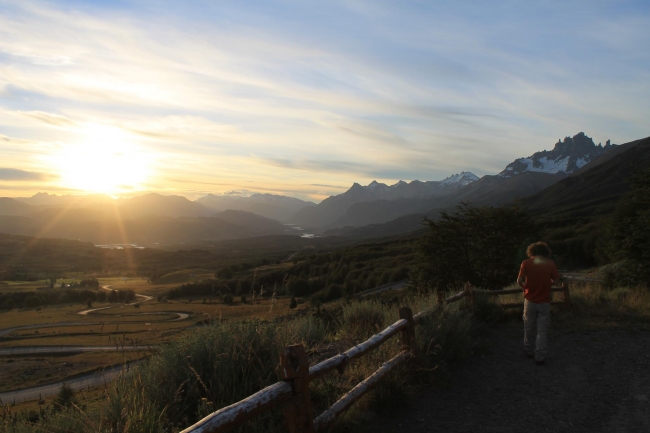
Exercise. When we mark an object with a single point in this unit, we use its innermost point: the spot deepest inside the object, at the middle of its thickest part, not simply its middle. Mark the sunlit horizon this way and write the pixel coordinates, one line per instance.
(303, 100)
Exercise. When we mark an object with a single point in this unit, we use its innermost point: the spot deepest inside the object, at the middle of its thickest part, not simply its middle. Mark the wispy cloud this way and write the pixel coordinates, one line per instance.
(14, 174)
(286, 95)
(49, 118)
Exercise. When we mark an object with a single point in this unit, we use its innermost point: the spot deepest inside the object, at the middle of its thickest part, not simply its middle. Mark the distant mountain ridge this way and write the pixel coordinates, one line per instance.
(588, 193)
(278, 207)
(145, 230)
(566, 157)
(398, 206)
(347, 208)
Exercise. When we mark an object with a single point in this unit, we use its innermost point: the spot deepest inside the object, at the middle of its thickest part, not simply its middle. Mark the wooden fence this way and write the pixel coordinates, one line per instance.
(296, 374)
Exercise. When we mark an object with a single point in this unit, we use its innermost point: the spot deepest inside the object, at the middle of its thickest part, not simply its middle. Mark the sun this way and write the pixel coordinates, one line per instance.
(105, 161)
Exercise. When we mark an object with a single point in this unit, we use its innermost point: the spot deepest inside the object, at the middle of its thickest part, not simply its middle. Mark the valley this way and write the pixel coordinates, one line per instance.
(84, 296)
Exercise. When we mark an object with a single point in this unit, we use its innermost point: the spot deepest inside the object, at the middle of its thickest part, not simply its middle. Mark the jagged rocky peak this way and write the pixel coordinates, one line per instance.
(462, 178)
(567, 156)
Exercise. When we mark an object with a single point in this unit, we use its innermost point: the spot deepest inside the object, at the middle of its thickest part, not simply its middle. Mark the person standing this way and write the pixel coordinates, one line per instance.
(536, 276)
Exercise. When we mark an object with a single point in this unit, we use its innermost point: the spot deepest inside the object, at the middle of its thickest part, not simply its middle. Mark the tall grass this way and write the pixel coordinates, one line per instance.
(217, 365)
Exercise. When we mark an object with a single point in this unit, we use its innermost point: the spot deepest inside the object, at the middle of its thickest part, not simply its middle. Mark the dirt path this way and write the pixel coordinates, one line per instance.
(592, 382)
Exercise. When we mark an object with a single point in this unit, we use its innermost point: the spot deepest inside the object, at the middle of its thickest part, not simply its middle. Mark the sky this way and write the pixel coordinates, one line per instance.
(303, 98)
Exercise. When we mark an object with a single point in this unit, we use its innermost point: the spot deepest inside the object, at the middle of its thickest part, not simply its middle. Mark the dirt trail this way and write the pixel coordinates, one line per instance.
(592, 382)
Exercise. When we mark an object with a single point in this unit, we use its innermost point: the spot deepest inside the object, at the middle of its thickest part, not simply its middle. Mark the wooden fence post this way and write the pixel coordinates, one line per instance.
(408, 334)
(298, 412)
(565, 294)
(469, 293)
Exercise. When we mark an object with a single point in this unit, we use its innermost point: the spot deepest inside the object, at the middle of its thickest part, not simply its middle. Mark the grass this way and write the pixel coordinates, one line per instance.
(222, 363)
(121, 324)
(219, 364)
(185, 276)
(17, 372)
(593, 308)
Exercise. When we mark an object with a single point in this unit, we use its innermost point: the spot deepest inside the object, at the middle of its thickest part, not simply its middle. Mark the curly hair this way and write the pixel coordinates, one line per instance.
(538, 249)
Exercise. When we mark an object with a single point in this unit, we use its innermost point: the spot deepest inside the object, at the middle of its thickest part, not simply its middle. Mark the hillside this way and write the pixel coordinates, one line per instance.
(590, 192)
(109, 228)
(277, 207)
(378, 202)
(10, 206)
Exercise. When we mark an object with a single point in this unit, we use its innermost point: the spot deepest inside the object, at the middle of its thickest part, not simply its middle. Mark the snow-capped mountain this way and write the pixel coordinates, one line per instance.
(332, 209)
(463, 178)
(566, 157)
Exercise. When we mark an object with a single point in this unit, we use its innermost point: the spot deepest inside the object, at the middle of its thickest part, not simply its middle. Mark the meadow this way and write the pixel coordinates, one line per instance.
(196, 363)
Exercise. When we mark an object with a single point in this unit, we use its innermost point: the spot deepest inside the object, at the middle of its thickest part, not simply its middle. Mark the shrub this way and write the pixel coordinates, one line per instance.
(207, 370)
(65, 398)
(481, 245)
(9, 304)
(32, 301)
(362, 319)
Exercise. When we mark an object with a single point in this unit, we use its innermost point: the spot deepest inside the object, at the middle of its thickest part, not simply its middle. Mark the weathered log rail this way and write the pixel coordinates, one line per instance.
(293, 389)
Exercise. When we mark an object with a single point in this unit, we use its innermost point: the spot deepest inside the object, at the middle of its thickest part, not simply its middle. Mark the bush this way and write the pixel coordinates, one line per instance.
(628, 236)
(206, 370)
(362, 319)
(483, 246)
(9, 304)
(65, 398)
(32, 301)
(298, 286)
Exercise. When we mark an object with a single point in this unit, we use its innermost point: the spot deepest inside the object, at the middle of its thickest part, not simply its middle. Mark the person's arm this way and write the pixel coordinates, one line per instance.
(521, 279)
(555, 275)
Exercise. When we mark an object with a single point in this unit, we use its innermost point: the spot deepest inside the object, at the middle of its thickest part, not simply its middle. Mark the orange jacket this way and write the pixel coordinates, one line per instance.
(539, 273)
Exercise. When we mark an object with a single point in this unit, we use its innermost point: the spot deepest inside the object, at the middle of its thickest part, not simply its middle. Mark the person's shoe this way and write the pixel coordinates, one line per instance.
(540, 362)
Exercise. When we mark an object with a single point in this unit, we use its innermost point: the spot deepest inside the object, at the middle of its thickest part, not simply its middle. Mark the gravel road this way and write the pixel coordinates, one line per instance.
(592, 382)
(90, 380)
(43, 350)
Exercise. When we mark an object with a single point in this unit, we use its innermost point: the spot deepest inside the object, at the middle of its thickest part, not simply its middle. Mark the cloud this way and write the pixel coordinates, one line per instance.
(327, 186)
(332, 94)
(49, 118)
(14, 174)
(13, 140)
(317, 165)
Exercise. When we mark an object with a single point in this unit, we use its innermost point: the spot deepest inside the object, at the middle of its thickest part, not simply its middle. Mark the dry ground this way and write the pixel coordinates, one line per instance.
(123, 324)
(18, 372)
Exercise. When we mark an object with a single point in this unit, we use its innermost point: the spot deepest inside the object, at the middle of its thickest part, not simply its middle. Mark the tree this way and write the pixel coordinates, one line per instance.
(293, 304)
(32, 301)
(225, 273)
(298, 286)
(480, 245)
(628, 239)
(65, 398)
(10, 304)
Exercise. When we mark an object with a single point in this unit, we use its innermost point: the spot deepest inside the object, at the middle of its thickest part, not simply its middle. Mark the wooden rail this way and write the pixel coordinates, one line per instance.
(293, 389)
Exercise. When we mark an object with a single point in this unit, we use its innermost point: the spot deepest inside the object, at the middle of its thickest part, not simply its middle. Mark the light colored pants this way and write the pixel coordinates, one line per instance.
(537, 318)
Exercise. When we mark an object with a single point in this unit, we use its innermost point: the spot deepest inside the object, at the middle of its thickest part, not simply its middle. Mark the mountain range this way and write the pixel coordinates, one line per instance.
(376, 209)
(272, 206)
(377, 203)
